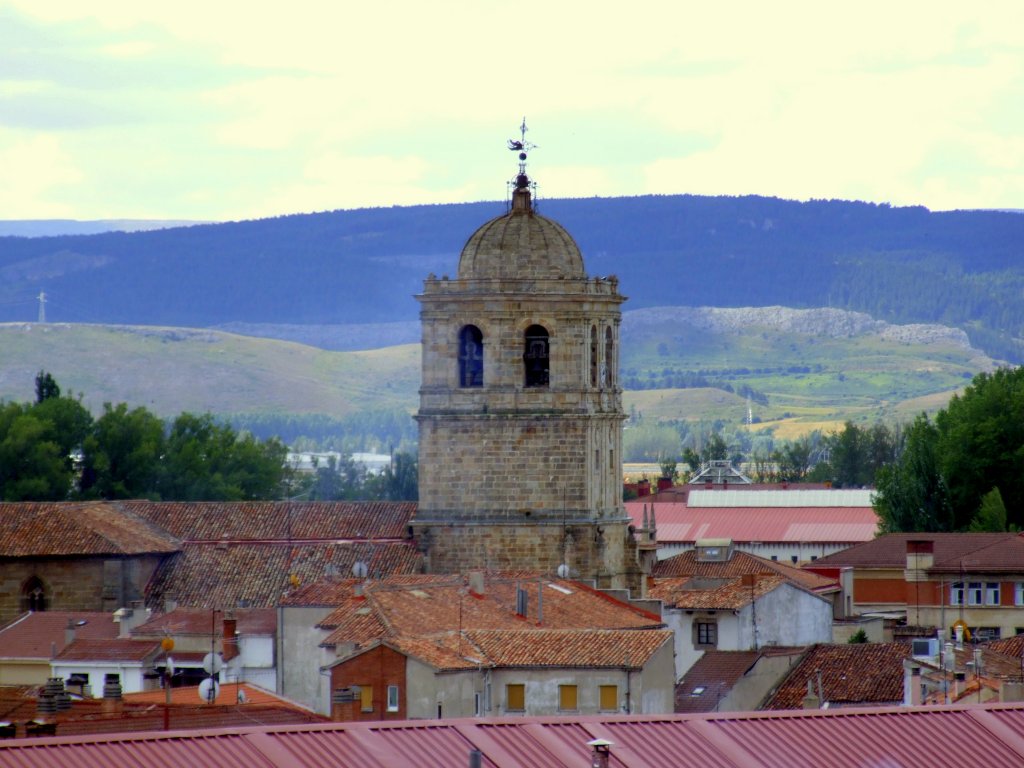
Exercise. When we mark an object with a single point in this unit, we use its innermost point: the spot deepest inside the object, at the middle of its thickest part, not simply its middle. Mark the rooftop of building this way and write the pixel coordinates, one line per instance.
(732, 594)
(199, 621)
(988, 734)
(116, 649)
(851, 674)
(679, 523)
(952, 552)
(692, 563)
(54, 529)
(42, 634)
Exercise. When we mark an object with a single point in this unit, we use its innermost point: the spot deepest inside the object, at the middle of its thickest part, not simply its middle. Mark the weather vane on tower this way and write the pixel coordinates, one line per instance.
(522, 146)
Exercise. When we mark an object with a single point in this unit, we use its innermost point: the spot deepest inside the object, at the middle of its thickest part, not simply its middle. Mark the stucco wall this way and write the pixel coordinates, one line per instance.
(299, 657)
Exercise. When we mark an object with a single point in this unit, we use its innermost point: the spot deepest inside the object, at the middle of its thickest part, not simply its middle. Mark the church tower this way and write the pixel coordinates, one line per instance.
(520, 417)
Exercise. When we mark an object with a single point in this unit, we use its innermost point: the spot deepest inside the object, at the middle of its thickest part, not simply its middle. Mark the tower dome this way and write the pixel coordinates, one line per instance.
(521, 245)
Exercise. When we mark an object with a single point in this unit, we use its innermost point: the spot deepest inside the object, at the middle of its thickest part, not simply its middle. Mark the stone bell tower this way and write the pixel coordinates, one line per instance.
(520, 417)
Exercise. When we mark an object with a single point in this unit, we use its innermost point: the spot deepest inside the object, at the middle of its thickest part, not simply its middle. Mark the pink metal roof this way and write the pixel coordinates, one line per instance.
(978, 734)
(680, 523)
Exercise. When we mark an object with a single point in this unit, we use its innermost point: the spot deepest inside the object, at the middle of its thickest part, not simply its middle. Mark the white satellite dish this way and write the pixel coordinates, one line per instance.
(209, 690)
(563, 571)
(360, 569)
(213, 663)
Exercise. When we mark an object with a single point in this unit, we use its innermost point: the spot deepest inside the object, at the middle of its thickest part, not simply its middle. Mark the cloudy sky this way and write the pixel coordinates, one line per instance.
(217, 110)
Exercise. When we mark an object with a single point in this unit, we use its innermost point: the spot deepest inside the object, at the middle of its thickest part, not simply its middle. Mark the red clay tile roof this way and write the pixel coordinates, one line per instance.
(199, 621)
(711, 678)
(851, 674)
(532, 648)
(221, 576)
(979, 552)
(693, 594)
(116, 649)
(278, 520)
(588, 648)
(34, 635)
(739, 564)
(1009, 646)
(29, 529)
(446, 604)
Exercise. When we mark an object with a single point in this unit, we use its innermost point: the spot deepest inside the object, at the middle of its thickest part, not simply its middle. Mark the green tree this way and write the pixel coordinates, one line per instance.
(341, 479)
(32, 464)
(991, 515)
(911, 494)
(121, 456)
(793, 461)
(398, 482)
(205, 460)
(46, 387)
(981, 444)
(860, 636)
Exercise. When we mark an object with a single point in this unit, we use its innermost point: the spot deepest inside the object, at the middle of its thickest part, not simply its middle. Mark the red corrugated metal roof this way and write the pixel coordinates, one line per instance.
(680, 523)
(989, 734)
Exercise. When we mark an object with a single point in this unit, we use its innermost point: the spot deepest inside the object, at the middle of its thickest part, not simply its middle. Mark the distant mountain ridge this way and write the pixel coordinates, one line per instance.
(963, 269)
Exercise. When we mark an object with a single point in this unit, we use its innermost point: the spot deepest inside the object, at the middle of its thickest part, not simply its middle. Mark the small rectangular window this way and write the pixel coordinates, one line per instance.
(992, 593)
(515, 697)
(609, 698)
(1018, 593)
(956, 593)
(707, 633)
(567, 698)
(366, 698)
(974, 596)
(478, 704)
(392, 698)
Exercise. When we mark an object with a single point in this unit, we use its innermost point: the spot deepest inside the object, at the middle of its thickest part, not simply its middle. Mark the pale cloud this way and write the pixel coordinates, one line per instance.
(223, 110)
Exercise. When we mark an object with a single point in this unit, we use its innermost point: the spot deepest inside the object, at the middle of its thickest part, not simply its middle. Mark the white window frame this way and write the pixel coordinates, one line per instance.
(992, 592)
(957, 593)
(1018, 593)
(393, 702)
(975, 593)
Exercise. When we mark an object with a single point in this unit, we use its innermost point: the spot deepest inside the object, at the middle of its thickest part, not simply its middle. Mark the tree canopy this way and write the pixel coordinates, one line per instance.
(965, 470)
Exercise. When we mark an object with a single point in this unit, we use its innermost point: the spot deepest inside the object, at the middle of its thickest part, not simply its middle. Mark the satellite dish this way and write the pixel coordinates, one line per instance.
(242, 698)
(563, 571)
(360, 569)
(208, 690)
(213, 663)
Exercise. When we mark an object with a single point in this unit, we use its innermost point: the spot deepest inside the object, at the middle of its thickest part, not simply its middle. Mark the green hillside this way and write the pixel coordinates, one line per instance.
(169, 370)
(802, 370)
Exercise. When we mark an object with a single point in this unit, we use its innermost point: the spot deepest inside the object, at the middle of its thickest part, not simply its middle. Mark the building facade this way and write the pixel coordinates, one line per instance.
(520, 417)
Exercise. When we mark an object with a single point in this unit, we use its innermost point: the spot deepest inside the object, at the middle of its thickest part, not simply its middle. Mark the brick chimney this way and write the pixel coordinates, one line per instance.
(920, 558)
(911, 684)
(112, 701)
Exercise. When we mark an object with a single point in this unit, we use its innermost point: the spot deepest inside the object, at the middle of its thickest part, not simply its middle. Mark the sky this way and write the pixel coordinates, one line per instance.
(221, 111)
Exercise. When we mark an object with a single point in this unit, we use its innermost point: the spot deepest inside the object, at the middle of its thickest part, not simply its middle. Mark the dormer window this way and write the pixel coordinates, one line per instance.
(535, 356)
(471, 357)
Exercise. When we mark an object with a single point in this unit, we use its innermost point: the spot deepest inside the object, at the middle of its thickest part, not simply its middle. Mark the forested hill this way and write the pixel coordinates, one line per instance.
(904, 265)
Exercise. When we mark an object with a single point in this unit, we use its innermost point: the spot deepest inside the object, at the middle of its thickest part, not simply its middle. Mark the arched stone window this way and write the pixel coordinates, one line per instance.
(535, 356)
(471, 357)
(33, 595)
(593, 355)
(609, 360)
